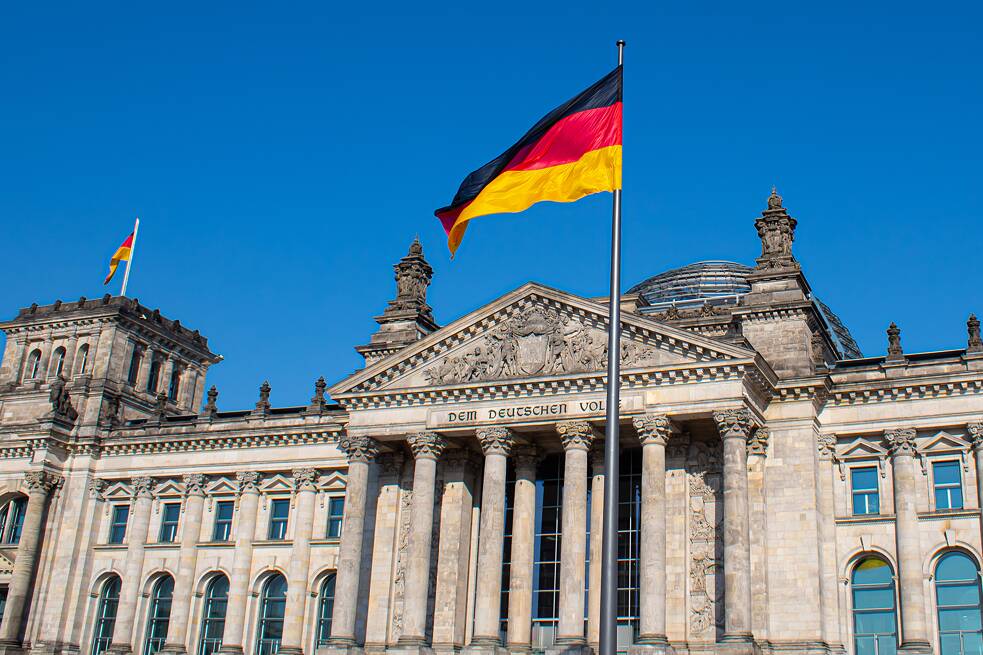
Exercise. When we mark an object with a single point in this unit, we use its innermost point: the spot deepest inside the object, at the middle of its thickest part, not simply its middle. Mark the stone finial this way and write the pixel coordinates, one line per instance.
(41, 482)
(413, 275)
(143, 486)
(194, 484)
(653, 429)
(975, 343)
(318, 403)
(894, 350)
(426, 445)
(757, 444)
(160, 406)
(496, 441)
(305, 478)
(575, 435)
(734, 423)
(901, 441)
(826, 445)
(975, 435)
(359, 449)
(247, 481)
(263, 404)
(61, 402)
(776, 229)
(211, 408)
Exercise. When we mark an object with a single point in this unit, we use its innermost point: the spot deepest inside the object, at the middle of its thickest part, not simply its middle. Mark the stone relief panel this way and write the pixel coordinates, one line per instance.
(704, 471)
(403, 541)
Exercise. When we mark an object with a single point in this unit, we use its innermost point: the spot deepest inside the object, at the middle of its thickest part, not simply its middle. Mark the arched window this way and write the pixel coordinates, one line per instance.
(213, 616)
(957, 594)
(33, 364)
(134, 371)
(106, 616)
(159, 616)
(325, 606)
(269, 632)
(174, 385)
(12, 520)
(57, 362)
(875, 622)
(154, 377)
(82, 359)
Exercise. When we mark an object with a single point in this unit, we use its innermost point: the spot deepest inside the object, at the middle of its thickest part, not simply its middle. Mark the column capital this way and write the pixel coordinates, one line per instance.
(426, 445)
(41, 482)
(248, 481)
(359, 449)
(900, 442)
(975, 435)
(653, 429)
(734, 423)
(496, 441)
(826, 444)
(143, 486)
(757, 444)
(526, 458)
(305, 478)
(575, 435)
(97, 486)
(194, 484)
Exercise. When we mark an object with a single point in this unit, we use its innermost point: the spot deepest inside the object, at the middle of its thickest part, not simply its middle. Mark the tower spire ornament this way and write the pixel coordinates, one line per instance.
(974, 344)
(776, 229)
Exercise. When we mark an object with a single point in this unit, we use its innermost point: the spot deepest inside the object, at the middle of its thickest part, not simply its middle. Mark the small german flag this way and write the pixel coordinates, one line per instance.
(572, 152)
(122, 254)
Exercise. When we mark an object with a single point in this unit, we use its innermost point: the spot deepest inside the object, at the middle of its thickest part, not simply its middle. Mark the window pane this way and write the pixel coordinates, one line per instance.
(887, 645)
(864, 599)
(973, 644)
(872, 571)
(864, 478)
(941, 498)
(956, 566)
(959, 619)
(958, 595)
(866, 645)
(875, 622)
(946, 473)
(957, 498)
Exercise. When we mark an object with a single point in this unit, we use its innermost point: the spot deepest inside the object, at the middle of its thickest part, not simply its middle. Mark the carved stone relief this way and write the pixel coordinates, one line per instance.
(704, 467)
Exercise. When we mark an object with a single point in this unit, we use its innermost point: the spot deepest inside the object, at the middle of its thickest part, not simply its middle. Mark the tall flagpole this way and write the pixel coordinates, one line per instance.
(133, 250)
(609, 548)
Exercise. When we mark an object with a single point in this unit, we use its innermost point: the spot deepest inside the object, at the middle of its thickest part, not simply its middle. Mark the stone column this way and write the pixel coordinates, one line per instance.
(144, 373)
(496, 444)
(305, 492)
(194, 503)
(576, 437)
(242, 561)
(426, 447)
(383, 549)
(976, 438)
(39, 486)
(914, 629)
(735, 427)
(68, 368)
(596, 543)
(361, 453)
(826, 451)
(519, 633)
(653, 432)
(136, 542)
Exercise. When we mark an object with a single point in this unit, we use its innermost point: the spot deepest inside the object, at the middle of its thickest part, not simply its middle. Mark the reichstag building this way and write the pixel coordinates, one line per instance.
(780, 492)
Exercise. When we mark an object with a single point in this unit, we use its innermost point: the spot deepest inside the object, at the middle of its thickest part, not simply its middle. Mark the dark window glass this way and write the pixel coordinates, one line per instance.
(33, 364)
(224, 510)
(106, 616)
(160, 615)
(117, 526)
(58, 365)
(325, 606)
(875, 627)
(134, 372)
(213, 617)
(948, 485)
(279, 513)
(864, 487)
(273, 603)
(174, 385)
(336, 511)
(154, 378)
(15, 520)
(169, 522)
(957, 589)
(82, 359)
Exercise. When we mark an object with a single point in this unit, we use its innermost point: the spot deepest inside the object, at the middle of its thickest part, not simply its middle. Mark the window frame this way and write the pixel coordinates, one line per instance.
(892, 585)
(57, 361)
(158, 616)
(136, 360)
(174, 384)
(210, 645)
(102, 638)
(335, 522)
(153, 375)
(81, 359)
(271, 646)
(170, 526)
(33, 368)
(114, 523)
(15, 510)
(325, 610)
(939, 607)
(274, 531)
(948, 486)
(220, 522)
(866, 493)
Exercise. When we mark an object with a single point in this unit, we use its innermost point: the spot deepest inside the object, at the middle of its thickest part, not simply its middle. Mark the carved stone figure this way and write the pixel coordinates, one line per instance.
(110, 416)
(263, 404)
(974, 344)
(894, 350)
(211, 409)
(318, 403)
(776, 229)
(160, 407)
(61, 402)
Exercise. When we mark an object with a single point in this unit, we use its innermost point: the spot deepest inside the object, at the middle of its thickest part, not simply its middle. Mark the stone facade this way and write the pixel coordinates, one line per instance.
(467, 460)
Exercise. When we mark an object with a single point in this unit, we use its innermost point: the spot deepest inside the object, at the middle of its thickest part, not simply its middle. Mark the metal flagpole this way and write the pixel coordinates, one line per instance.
(133, 249)
(609, 548)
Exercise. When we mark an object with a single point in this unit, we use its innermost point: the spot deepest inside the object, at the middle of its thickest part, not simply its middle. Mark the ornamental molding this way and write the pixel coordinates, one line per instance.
(734, 423)
(496, 441)
(426, 445)
(202, 442)
(305, 479)
(42, 482)
(576, 435)
(901, 442)
(975, 431)
(359, 449)
(142, 486)
(757, 444)
(894, 391)
(653, 429)
(194, 484)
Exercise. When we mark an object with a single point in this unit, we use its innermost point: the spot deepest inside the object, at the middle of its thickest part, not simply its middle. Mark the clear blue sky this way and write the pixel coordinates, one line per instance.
(282, 156)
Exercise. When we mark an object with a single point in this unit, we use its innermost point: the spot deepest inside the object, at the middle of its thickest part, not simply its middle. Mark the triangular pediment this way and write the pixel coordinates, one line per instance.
(117, 490)
(333, 481)
(221, 487)
(534, 332)
(943, 442)
(863, 449)
(168, 488)
(278, 483)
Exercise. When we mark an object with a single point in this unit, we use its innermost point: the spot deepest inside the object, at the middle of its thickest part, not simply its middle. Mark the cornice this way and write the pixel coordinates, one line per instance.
(894, 390)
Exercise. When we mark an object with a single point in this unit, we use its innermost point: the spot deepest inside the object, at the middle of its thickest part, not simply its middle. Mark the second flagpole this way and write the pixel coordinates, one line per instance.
(612, 451)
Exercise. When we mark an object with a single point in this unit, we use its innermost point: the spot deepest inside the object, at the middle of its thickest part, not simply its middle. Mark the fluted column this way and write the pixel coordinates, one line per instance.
(653, 432)
(496, 444)
(596, 543)
(242, 561)
(519, 633)
(914, 630)
(136, 542)
(826, 451)
(39, 486)
(305, 492)
(576, 437)
(735, 427)
(361, 453)
(976, 438)
(427, 448)
(194, 503)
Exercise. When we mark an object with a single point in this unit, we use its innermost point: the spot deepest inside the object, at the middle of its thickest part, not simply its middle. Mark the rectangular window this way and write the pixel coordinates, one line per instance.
(865, 496)
(131, 376)
(18, 508)
(174, 385)
(336, 511)
(948, 485)
(168, 523)
(279, 512)
(224, 510)
(117, 527)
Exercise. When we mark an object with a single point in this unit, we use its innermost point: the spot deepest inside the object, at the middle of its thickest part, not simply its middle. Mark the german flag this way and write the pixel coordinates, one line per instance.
(122, 254)
(572, 152)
